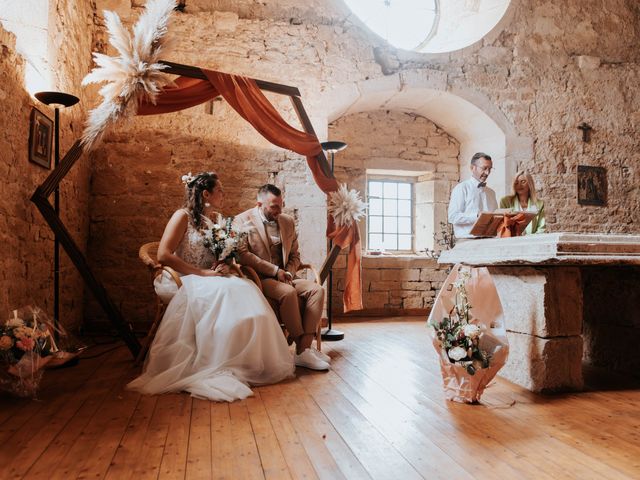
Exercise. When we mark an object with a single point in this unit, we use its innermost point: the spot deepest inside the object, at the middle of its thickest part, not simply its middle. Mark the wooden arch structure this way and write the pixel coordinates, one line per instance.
(321, 168)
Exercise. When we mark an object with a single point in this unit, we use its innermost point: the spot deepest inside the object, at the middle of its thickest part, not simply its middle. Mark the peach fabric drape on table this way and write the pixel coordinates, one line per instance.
(246, 98)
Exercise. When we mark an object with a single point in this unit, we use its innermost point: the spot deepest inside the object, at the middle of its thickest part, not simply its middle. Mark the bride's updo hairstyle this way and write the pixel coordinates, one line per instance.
(194, 186)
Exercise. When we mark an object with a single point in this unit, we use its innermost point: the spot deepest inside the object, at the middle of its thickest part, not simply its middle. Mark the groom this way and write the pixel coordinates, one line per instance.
(272, 251)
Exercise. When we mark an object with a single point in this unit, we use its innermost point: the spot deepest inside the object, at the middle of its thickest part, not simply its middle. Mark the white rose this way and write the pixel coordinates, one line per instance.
(457, 353)
(471, 331)
(222, 234)
(216, 226)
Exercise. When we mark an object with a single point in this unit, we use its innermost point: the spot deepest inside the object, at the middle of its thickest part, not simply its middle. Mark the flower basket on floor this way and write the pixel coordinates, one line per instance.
(468, 333)
(27, 345)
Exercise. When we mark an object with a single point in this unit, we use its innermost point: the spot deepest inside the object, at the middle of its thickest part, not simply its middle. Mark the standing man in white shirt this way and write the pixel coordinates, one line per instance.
(471, 197)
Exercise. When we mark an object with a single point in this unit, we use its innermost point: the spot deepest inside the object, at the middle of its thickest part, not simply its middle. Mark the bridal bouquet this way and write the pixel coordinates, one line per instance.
(472, 347)
(224, 240)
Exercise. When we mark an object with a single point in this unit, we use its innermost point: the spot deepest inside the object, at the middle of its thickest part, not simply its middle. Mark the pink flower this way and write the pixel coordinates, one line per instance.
(25, 344)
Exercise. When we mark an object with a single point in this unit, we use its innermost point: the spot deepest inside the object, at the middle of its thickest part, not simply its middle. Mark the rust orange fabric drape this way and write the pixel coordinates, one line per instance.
(512, 225)
(244, 95)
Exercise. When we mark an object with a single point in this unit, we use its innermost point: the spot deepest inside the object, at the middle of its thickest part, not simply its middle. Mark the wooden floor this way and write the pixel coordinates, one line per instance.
(379, 413)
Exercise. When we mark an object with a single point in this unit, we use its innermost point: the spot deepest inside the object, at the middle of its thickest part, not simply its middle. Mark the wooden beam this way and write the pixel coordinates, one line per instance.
(196, 72)
(40, 199)
(328, 263)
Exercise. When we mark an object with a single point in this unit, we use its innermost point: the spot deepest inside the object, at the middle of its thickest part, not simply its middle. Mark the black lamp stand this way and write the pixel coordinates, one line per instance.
(57, 100)
(329, 334)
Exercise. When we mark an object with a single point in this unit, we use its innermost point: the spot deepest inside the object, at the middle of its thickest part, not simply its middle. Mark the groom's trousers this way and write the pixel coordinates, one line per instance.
(300, 304)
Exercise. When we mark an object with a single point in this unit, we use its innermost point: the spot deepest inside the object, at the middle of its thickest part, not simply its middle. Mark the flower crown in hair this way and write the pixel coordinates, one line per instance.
(188, 179)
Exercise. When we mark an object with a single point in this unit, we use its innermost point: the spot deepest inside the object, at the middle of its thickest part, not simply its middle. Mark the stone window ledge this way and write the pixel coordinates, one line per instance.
(398, 261)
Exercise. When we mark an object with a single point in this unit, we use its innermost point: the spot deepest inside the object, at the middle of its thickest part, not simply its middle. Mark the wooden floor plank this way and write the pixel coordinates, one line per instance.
(379, 413)
(495, 457)
(548, 441)
(54, 384)
(103, 381)
(526, 452)
(222, 454)
(149, 458)
(272, 460)
(277, 405)
(105, 432)
(124, 462)
(199, 453)
(47, 429)
(348, 464)
(173, 465)
(377, 455)
(244, 443)
(299, 411)
(400, 426)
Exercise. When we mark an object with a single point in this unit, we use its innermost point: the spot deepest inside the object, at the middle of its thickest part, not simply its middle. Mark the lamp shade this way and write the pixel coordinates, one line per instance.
(333, 146)
(57, 98)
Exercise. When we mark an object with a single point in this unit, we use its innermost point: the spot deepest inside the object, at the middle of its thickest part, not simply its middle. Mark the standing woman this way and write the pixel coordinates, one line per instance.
(524, 198)
(218, 335)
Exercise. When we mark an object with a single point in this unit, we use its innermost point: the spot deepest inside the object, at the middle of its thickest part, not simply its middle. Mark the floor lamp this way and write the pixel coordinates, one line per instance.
(329, 334)
(57, 100)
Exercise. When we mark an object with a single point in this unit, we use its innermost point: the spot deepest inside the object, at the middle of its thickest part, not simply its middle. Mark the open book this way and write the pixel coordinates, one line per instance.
(488, 222)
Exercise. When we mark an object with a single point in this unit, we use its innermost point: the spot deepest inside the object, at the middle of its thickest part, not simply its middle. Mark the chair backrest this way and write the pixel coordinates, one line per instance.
(148, 253)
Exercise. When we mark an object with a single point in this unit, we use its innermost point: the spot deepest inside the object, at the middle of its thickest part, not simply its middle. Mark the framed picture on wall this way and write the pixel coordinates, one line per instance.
(40, 138)
(592, 185)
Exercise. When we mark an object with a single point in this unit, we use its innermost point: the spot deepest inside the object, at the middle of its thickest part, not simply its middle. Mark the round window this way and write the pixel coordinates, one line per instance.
(430, 26)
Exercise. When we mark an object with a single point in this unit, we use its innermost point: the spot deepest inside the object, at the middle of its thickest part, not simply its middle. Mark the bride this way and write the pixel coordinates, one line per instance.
(218, 334)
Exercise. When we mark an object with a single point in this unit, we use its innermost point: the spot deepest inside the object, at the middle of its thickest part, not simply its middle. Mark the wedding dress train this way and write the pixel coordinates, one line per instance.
(217, 337)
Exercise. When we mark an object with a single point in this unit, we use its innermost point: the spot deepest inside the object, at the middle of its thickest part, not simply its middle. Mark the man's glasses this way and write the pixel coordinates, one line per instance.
(483, 169)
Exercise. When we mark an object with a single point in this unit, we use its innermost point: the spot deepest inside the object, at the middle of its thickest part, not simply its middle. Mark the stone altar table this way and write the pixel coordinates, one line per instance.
(567, 297)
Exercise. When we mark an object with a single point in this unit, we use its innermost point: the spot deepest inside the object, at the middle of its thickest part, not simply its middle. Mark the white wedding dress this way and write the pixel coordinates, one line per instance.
(218, 336)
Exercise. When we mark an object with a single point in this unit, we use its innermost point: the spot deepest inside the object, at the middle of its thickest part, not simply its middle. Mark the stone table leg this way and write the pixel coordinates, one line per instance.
(543, 316)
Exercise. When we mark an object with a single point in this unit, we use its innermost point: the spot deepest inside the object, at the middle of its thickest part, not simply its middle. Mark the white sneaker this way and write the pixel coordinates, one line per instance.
(322, 356)
(308, 360)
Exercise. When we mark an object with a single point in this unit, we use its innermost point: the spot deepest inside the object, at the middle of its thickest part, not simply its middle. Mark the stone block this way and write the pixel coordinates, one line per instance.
(543, 364)
(397, 262)
(375, 299)
(225, 22)
(419, 286)
(586, 62)
(432, 275)
(400, 274)
(412, 302)
(546, 302)
(439, 143)
(370, 274)
(383, 286)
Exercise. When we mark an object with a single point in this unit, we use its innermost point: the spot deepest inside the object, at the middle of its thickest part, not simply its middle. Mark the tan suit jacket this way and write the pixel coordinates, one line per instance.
(258, 254)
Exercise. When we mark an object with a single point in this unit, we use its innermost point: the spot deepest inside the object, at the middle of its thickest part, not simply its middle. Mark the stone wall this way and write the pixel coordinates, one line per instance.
(392, 285)
(414, 149)
(127, 209)
(547, 67)
(27, 242)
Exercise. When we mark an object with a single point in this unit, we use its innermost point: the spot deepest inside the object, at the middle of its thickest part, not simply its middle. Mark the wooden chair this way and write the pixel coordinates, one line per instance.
(251, 274)
(148, 253)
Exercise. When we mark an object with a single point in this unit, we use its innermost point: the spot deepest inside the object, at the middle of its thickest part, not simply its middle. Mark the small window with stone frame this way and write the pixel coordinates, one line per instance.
(390, 224)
